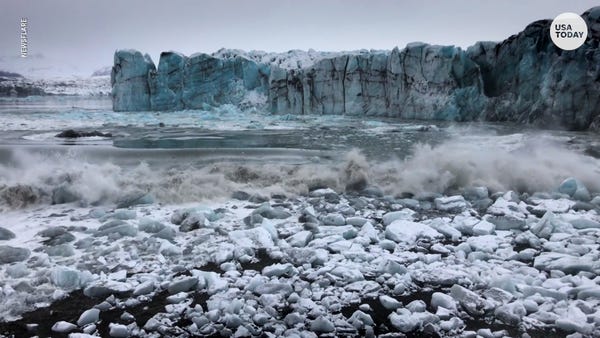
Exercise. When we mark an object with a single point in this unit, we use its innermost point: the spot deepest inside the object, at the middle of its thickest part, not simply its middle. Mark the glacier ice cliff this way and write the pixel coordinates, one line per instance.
(524, 78)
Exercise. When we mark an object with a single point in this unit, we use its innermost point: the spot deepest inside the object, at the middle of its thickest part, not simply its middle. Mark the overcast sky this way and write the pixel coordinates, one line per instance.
(79, 36)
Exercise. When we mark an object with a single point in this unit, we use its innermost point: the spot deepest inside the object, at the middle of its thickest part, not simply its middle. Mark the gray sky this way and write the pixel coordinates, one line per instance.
(79, 36)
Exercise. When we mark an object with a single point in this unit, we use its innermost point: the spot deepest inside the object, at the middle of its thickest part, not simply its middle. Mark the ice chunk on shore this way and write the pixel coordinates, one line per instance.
(182, 284)
(299, 239)
(408, 231)
(566, 263)
(441, 299)
(575, 189)
(252, 238)
(6, 234)
(88, 317)
(118, 330)
(322, 325)
(389, 302)
(10, 254)
(144, 288)
(451, 204)
(63, 327)
(405, 214)
(469, 300)
(68, 278)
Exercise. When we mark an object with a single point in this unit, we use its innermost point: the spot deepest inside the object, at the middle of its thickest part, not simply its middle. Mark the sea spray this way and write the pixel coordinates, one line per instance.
(501, 163)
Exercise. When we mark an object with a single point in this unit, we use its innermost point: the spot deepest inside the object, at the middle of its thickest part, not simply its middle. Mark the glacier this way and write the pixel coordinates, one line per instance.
(524, 79)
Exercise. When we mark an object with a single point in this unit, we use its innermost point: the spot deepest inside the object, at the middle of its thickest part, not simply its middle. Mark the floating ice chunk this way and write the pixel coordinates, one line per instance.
(168, 249)
(409, 232)
(62, 250)
(389, 302)
(166, 233)
(89, 317)
(9, 254)
(455, 203)
(182, 284)
(322, 325)
(405, 214)
(116, 230)
(6, 234)
(441, 299)
(63, 327)
(135, 198)
(193, 221)
(150, 226)
(266, 211)
(118, 330)
(17, 270)
(123, 214)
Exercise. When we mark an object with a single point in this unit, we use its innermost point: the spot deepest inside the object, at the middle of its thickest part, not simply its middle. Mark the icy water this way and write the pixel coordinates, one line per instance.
(225, 222)
(287, 153)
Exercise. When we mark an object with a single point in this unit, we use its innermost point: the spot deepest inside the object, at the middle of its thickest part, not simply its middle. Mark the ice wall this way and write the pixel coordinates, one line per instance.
(524, 78)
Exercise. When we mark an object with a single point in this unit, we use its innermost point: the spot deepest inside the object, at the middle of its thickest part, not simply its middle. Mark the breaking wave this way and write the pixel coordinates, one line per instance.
(517, 163)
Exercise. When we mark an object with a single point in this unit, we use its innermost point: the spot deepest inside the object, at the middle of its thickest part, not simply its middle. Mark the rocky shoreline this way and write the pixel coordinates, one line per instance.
(328, 264)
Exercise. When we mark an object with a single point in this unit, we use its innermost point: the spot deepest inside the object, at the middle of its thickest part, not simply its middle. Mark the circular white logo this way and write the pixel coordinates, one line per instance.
(568, 31)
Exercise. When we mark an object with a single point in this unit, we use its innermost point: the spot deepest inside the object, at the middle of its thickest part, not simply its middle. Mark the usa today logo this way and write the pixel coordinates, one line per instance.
(568, 31)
